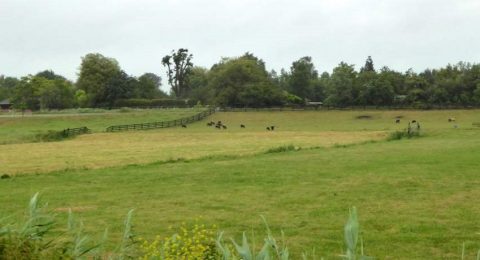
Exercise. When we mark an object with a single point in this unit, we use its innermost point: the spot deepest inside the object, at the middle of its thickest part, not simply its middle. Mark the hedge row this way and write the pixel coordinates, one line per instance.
(145, 103)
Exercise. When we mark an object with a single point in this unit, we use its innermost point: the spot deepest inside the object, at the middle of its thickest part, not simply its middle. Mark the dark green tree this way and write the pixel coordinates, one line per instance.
(49, 74)
(341, 86)
(179, 67)
(148, 87)
(243, 82)
(96, 71)
(368, 65)
(120, 86)
(198, 85)
(303, 78)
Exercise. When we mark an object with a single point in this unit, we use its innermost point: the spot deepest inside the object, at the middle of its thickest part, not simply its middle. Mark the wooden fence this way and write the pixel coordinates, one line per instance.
(163, 124)
(75, 131)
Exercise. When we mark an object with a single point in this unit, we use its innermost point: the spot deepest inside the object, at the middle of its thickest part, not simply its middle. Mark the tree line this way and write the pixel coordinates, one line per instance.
(244, 81)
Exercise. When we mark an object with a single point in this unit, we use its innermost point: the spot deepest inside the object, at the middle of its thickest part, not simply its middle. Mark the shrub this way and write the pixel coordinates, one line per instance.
(397, 135)
(50, 136)
(413, 130)
(284, 148)
(192, 242)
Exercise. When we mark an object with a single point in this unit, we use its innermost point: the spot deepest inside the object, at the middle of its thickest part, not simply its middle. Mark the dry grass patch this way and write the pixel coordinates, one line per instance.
(105, 150)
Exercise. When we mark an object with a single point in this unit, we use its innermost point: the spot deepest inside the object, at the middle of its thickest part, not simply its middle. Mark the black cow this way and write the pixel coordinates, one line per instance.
(184, 126)
(272, 127)
(397, 121)
(268, 128)
(224, 126)
(242, 126)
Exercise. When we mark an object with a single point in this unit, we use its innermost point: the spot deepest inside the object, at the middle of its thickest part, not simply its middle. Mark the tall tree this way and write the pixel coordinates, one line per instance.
(303, 78)
(242, 82)
(120, 86)
(341, 85)
(179, 67)
(198, 85)
(368, 65)
(96, 71)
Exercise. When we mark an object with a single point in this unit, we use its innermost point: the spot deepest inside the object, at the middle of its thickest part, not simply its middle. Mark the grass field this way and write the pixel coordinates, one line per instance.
(20, 129)
(417, 198)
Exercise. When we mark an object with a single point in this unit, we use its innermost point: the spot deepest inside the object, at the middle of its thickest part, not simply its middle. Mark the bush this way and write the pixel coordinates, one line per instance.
(282, 149)
(192, 242)
(397, 135)
(51, 136)
(147, 103)
(413, 130)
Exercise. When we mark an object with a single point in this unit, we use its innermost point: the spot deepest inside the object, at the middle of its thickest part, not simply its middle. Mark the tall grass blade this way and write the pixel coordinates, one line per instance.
(243, 250)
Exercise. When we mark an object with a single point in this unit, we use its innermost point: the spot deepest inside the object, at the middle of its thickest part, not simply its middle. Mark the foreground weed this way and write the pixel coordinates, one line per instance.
(38, 237)
(191, 242)
(351, 231)
(271, 249)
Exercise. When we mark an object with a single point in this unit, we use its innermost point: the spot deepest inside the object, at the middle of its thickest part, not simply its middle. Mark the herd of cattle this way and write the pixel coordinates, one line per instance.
(220, 125)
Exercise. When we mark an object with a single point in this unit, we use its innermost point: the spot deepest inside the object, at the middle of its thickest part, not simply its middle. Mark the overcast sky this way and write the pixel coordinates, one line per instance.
(55, 34)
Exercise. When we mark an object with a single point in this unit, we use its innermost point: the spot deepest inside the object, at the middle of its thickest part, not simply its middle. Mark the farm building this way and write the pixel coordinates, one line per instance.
(5, 104)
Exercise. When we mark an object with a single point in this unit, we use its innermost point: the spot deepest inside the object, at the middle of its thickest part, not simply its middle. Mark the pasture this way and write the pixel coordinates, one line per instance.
(417, 198)
(15, 128)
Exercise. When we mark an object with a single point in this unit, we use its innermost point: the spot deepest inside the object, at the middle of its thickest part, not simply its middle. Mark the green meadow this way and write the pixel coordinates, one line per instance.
(18, 128)
(417, 198)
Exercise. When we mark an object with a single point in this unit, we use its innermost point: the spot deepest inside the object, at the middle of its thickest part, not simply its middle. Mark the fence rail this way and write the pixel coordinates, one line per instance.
(75, 131)
(162, 124)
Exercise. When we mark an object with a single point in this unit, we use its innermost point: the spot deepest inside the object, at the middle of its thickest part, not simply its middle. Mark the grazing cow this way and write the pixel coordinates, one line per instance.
(414, 121)
(268, 128)
(224, 126)
(397, 121)
(451, 119)
(272, 127)
(217, 126)
(184, 126)
(242, 126)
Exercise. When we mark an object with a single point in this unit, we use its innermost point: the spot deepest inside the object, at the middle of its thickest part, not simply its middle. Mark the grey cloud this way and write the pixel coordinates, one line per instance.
(37, 35)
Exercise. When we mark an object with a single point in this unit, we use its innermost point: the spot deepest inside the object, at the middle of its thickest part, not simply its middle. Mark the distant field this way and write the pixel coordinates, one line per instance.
(17, 128)
(417, 198)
